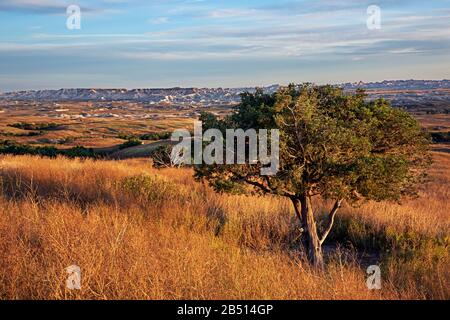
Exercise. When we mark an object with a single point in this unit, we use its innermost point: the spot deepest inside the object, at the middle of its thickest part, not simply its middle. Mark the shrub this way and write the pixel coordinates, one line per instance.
(441, 137)
(26, 134)
(407, 256)
(161, 157)
(151, 188)
(11, 147)
(126, 136)
(156, 136)
(133, 142)
(66, 140)
(35, 126)
(79, 152)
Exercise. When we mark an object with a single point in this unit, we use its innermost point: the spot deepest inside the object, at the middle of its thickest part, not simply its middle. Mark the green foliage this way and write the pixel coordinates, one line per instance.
(11, 147)
(34, 133)
(441, 137)
(132, 142)
(79, 152)
(334, 144)
(155, 136)
(126, 136)
(405, 245)
(255, 111)
(25, 134)
(35, 126)
(153, 189)
(408, 254)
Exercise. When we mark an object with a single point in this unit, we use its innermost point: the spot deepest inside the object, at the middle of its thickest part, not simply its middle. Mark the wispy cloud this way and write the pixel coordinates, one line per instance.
(57, 7)
(34, 6)
(210, 33)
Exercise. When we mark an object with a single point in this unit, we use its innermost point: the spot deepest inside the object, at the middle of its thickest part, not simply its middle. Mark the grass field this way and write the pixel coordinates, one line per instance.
(140, 233)
(89, 124)
(99, 125)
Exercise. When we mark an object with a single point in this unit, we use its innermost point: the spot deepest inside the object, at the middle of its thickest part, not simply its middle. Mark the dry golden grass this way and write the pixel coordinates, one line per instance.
(138, 233)
(94, 131)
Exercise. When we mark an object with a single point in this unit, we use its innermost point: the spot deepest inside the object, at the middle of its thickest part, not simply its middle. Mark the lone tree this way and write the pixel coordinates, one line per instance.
(333, 144)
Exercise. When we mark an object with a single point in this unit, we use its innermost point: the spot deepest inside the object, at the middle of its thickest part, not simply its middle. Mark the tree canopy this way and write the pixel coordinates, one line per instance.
(333, 144)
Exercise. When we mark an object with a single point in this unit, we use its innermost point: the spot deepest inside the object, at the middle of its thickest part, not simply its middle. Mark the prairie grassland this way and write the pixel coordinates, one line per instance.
(140, 233)
(434, 122)
(90, 132)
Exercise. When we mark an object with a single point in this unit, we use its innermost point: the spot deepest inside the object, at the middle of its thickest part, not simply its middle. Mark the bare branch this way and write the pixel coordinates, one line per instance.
(331, 216)
(258, 185)
(295, 202)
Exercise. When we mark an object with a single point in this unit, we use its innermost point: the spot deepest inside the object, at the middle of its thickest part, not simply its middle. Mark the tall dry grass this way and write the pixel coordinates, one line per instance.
(139, 233)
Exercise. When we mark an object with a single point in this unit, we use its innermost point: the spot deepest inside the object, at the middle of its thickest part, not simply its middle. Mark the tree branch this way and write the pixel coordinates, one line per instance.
(297, 211)
(258, 185)
(331, 216)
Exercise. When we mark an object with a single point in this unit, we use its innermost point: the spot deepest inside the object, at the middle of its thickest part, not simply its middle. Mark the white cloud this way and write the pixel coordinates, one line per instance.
(159, 20)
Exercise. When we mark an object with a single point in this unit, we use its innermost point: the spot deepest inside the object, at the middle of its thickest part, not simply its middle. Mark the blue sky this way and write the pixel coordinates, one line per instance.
(207, 43)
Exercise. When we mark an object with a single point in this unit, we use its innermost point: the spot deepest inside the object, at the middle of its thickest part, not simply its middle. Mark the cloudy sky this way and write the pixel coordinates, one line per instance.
(162, 43)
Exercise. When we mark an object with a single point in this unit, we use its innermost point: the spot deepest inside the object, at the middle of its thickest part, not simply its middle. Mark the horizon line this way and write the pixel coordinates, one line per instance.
(219, 87)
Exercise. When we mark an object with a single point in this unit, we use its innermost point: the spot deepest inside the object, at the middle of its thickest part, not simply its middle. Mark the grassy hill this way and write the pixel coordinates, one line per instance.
(142, 233)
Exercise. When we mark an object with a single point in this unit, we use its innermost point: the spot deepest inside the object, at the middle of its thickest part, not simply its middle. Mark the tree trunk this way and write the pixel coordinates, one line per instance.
(313, 243)
(314, 246)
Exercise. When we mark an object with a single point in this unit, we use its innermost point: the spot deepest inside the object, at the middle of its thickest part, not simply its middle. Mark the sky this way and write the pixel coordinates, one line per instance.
(220, 43)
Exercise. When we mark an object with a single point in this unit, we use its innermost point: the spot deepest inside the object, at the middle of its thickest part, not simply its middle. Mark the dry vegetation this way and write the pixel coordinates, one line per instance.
(89, 124)
(140, 233)
(434, 122)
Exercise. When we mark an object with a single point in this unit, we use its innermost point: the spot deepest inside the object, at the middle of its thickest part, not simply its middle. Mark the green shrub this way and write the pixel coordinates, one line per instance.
(66, 140)
(403, 245)
(152, 188)
(11, 147)
(155, 136)
(440, 137)
(79, 152)
(131, 143)
(35, 126)
(26, 134)
(405, 255)
(126, 136)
